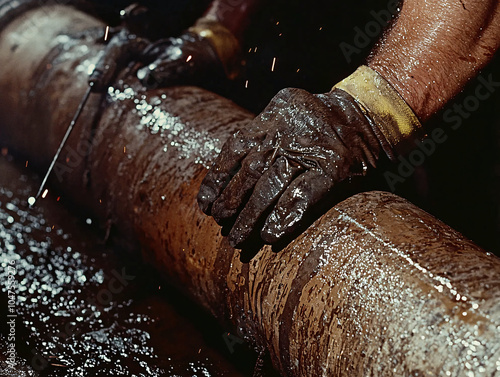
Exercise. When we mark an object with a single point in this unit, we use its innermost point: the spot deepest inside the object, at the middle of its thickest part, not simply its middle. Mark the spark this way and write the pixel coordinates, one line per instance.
(246, 84)
(189, 58)
(298, 69)
(124, 149)
(274, 63)
(106, 34)
(58, 198)
(321, 28)
(59, 365)
(255, 49)
(280, 34)
(26, 163)
(250, 49)
(277, 23)
(44, 195)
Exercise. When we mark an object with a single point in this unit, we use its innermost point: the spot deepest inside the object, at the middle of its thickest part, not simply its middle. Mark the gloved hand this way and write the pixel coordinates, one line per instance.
(302, 145)
(120, 50)
(205, 54)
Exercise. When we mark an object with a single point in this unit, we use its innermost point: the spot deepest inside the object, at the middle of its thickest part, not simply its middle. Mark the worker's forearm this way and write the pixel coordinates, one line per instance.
(435, 47)
(235, 15)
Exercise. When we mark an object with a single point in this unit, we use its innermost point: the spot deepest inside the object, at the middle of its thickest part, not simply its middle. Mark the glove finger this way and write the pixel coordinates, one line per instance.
(147, 78)
(224, 167)
(153, 51)
(268, 189)
(240, 187)
(164, 73)
(294, 205)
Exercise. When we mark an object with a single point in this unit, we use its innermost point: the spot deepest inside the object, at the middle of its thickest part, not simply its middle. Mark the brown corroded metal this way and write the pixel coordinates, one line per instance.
(376, 287)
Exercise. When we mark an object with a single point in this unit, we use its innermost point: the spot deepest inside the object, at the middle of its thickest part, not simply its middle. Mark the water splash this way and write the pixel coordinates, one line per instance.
(185, 140)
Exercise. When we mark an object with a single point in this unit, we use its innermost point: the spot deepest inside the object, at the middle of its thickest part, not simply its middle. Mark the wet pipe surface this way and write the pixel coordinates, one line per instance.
(96, 310)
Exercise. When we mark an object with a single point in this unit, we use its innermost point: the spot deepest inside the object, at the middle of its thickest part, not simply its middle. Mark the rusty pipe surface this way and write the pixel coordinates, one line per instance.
(374, 287)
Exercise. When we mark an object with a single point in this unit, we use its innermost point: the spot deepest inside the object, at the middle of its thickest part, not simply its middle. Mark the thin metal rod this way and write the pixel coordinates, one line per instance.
(63, 142)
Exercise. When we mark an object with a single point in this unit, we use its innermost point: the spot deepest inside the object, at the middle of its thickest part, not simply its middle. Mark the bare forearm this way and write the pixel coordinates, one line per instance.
(435, 47)
(235, 15)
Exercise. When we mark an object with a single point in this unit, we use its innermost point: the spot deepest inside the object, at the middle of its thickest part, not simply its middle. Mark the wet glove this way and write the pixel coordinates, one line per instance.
(293, 154)
(205, 54)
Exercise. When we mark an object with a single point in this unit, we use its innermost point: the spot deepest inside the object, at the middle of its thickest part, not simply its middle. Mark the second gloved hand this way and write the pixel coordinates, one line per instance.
(204, 55)
(188, 59)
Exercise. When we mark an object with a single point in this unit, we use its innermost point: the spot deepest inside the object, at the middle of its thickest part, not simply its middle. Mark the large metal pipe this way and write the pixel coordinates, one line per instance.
(376, 287)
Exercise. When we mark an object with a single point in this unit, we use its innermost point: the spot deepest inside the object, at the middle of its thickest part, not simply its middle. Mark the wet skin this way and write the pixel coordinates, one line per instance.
(435, 47)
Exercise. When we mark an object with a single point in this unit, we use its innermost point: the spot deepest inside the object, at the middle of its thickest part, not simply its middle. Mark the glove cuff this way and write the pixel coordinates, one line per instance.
(223, 41)
(394, 119)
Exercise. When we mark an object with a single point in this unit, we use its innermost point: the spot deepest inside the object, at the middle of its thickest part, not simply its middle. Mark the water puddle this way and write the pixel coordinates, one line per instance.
(88, 310)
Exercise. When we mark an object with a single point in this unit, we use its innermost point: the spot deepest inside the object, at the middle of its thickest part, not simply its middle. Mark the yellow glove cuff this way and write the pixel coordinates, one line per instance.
(223, 41)
(377, 98)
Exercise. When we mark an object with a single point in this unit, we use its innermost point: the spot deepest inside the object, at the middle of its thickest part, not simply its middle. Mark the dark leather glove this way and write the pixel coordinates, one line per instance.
(188, 59)
(293, 154)
(202, 56)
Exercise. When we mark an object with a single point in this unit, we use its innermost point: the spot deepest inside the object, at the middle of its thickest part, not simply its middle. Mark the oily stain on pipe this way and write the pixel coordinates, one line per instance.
(376, 286)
